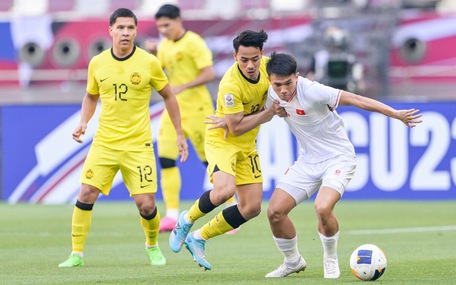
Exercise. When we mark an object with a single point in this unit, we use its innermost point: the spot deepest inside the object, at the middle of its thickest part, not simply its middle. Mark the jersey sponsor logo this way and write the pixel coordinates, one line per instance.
(229, 100)
(135, 78)
(300, 112)
(101, 80)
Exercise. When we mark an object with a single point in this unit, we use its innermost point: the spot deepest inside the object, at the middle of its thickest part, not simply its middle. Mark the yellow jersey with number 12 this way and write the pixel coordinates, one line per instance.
(125, 87)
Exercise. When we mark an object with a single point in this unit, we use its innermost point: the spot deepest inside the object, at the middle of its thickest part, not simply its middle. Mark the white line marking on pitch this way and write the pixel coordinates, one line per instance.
(403, 230)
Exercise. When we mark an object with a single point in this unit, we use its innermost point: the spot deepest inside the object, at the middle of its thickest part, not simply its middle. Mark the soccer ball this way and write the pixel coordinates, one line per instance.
(368, 262)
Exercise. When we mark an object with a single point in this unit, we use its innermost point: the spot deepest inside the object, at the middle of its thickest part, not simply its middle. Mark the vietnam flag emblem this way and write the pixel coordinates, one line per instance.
(300, 112)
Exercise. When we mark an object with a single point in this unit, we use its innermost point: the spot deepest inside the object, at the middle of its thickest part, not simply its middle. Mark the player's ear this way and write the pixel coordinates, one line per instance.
(234, 56)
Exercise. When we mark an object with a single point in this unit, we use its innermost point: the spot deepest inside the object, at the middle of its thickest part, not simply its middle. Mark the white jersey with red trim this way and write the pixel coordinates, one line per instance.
(314, 121)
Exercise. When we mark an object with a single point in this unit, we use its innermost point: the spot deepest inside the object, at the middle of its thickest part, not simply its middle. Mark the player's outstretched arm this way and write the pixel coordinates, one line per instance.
(89, 104)
(409, 117)
(173, 110)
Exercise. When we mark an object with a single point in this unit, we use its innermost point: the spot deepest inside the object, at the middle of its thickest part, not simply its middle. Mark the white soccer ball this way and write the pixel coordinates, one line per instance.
(368, 262)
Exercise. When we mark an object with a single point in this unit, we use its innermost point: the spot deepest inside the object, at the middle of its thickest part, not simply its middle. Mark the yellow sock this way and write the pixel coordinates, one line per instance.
(80, 226)
(150, 228)
(194, 213)
(171, 185)
(215, 227)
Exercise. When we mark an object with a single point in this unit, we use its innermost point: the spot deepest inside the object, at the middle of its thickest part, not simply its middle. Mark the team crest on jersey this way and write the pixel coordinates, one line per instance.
(179, 56)
(89, 174)
(229, 100)
(300, 112)
(135, 78)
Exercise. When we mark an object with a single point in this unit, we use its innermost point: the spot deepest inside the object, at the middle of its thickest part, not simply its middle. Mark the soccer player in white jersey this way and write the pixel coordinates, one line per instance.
(326, 161)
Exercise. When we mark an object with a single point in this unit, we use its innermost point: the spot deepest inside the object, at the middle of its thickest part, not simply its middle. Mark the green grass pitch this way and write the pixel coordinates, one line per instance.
(419, 239)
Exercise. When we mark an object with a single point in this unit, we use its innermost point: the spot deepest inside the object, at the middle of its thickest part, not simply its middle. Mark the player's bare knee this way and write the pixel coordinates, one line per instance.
(146, 209)
(221, 194)
(322, 209)
(88, 194)
(274, 215)
(250, 211)
(145, 204)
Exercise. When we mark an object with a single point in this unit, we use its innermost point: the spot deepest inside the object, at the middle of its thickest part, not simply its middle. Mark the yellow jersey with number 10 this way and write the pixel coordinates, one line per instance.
(240, 94)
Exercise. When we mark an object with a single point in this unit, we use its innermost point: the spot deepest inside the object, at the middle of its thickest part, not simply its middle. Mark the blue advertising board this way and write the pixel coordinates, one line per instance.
(42, 164)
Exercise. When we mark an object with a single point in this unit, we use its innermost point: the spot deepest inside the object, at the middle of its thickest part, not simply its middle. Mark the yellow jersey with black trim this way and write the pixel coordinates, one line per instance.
(125, 87)
(183, 60)
(238, 94)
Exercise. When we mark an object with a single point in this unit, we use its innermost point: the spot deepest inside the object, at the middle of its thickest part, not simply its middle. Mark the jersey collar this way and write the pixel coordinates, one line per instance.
(293, 95)
(248, 79)
(123, 58)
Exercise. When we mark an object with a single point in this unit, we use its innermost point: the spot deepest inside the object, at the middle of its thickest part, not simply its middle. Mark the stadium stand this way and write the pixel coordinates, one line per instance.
(60, 6)
(92, 8)
(130, 4)
(294, 25)
(24, 8)
(6, 5)
(191, 4)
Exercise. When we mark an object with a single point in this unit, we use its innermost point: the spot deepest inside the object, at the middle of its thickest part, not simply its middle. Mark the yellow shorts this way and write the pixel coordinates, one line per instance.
(138, 169)
(244, 165)
(193, 127)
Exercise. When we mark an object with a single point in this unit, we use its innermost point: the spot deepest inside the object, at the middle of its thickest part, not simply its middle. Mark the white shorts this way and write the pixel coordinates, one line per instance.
(303, 179)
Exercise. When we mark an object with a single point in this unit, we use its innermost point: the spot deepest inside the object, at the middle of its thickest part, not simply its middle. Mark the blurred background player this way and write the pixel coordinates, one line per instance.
(122, 77)
(188, 63)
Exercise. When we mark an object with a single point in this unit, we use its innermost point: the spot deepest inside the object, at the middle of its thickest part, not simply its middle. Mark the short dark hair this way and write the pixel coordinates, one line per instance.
(123, 13)
(168, 11)
(281, 64)
(250, 39)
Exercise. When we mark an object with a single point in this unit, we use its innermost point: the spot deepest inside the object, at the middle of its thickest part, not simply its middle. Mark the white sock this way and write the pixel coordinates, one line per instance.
(289, 249)
(186, 219)
(172, 213)
(78, 253)
(197, 234)
(329, 245)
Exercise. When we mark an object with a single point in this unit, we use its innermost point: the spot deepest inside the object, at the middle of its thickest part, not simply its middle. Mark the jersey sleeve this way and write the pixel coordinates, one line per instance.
(201, 54)
(230, 98)
(323, 95)
(158, 77)
(92, 84)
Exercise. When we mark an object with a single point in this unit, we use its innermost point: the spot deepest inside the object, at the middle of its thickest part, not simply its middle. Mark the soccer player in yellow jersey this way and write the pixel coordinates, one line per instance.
(234, 164)
(122, 78)
(188, 63)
